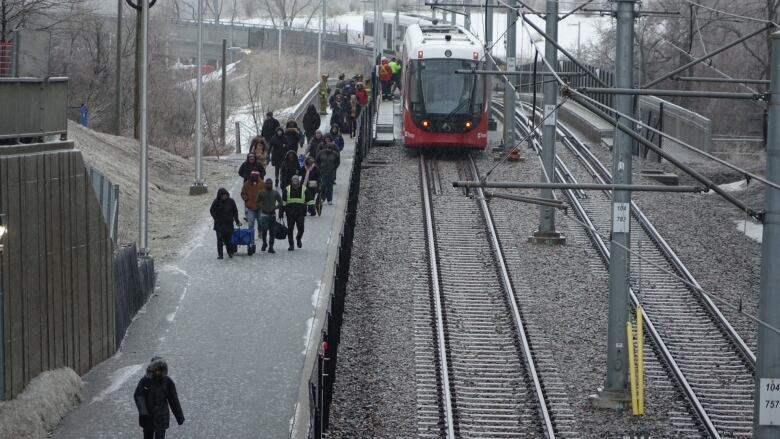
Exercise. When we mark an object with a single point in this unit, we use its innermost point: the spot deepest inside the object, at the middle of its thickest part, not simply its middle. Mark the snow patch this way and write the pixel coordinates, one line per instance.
(316, 295)
(175, 269)
(172, 316)
(754, 231)
(118, 378)
(41, 406)
(307, 334)
(734, 186)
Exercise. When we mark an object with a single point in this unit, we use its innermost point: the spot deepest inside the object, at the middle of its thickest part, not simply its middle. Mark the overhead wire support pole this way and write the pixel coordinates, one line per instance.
(509, 89)
(319, 40)
(118, 85)
(143, 175)
(615, 392)
(767, 375)
(673, 93)
(546, 232)
(706, 57)
(198, 187)
(488, 47)
(720, 80)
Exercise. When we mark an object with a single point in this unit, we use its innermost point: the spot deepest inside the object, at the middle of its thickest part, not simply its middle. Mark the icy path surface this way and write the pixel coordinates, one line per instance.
(232, 331)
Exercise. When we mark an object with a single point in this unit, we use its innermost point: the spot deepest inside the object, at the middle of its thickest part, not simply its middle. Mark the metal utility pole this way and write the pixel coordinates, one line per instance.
(224, 90)
(118, 85)
(766, 415)
(509, 92)
(488, 49)
(198, 187)
(579, 37)
(379, 29)
(615, 388)
(279, 51)
(143, 176)
(467, 20)
(546, 233)
(319, 41)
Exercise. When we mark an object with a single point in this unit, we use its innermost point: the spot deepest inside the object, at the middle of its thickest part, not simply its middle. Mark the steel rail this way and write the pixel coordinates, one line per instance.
(430, 233)
(666, 354)
(512, 299)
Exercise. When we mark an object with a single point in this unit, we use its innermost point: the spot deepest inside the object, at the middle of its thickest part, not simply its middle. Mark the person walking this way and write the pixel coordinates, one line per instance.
(385, 73)
(278, 151)
(336, 137)
(316, 143)
(328, 160)
(293, 137)
(295, 200)
(289, 167)
(250, 165)
(361, 94)
(249, 195)
(268, 201)
(310, 174)
(395, 68)
(259, 147)
(224, 212)
(337, 113)
(155, 397)
(324, 91)
(311, 121)
(269, 126)
(354, 111)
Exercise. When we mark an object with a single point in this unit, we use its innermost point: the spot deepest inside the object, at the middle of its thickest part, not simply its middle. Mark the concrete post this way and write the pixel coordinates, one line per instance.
(143, 131)
(546, 233)
(118, 84)
(509, 93)
(766, 417)
(616, 386)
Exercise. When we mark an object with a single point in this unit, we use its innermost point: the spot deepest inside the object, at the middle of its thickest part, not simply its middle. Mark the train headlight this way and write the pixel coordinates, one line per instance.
(425, 124)
(468, 124)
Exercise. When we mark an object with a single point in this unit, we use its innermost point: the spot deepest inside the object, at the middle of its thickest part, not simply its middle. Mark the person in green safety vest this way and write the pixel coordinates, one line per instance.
(296, 200)
(395, 67)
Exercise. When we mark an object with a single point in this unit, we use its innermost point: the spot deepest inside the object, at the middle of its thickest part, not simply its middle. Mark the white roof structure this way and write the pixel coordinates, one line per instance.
(434, 41)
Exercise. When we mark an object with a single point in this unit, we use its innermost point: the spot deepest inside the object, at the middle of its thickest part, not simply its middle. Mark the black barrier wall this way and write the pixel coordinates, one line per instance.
(324, 372)
(133, 283)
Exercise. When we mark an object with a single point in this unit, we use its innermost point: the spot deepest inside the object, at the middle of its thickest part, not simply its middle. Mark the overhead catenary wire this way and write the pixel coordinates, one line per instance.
(743, 17)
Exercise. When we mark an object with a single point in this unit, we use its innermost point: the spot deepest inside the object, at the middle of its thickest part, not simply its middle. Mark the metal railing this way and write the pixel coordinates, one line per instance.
(108, 196)
(33, 108)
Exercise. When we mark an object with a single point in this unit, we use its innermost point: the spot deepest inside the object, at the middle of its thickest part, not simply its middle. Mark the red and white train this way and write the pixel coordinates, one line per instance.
(441, 108)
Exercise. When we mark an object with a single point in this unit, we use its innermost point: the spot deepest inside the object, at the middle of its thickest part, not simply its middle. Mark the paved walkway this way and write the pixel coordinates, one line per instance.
(232, 331)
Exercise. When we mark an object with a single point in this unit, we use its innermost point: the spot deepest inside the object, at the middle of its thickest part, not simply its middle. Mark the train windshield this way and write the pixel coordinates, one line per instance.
(436, 89)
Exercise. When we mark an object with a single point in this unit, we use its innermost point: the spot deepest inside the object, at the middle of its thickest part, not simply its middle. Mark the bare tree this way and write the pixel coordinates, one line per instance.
(17, 14)
(253, 88)
(285, 11)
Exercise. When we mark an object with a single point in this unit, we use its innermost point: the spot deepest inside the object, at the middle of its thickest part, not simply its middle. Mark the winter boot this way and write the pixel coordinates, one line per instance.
(300, 244)
(271, 250)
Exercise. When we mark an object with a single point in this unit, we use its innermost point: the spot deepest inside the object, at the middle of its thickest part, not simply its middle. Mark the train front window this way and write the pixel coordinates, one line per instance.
(440, 91)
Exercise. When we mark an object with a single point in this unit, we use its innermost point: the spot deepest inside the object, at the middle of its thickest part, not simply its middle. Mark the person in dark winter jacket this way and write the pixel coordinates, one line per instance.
(310, 177)
(354, 112)
(293, 137)
(251, 164)
(316, 143)
(268, 201)
(155, 396)
(288, 168)
(311, 121)
(332, 100)
(225, 213)
(337, 113)
(269, 126)
(328, 160)
(296, 200)
(278, 151)
(335, 135)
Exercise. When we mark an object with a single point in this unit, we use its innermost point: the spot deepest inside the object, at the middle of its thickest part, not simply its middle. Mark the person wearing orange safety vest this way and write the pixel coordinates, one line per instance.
(296, 200)
(385, 73)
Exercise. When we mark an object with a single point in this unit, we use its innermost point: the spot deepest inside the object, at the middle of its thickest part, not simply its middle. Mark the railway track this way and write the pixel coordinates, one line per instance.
(707, 358)
(478, 376)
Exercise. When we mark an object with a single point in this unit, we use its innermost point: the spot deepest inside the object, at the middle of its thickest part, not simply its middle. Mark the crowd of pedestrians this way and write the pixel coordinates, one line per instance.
(305, 163)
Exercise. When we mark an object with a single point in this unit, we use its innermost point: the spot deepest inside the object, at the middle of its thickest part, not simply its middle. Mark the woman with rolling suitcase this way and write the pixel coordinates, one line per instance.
(225, 213)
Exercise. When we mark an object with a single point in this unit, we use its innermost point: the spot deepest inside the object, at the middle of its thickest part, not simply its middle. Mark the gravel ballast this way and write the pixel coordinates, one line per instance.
(374, 392)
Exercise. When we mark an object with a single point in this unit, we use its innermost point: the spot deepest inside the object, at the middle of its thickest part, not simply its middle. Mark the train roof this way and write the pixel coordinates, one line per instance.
(435, 40)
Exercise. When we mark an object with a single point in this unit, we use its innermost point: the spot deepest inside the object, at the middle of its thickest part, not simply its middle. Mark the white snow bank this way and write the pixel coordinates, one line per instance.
(734, 186)
(41, 406)
(754, 231)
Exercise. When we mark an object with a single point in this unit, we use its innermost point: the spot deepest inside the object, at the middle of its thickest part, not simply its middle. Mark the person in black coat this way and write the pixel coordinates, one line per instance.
(315, 144)
(293, 137)
(288, 168)
(251, 164)
(225, 213)
(153, 396)
(278, 151)
(337, 113)
(310, 178)
(311, 121)
(269, 126)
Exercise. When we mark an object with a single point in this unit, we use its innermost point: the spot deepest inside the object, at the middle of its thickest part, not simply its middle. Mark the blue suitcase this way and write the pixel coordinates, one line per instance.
(244, 237)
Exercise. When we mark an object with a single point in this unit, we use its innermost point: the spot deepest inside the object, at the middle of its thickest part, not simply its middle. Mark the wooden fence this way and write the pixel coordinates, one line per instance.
(57, 265)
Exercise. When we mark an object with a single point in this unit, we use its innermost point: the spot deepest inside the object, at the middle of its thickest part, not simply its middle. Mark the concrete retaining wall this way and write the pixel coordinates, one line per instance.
(56, 264)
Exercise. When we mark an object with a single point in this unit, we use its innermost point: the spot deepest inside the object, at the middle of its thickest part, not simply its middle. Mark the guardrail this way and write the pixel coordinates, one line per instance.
(33, 108)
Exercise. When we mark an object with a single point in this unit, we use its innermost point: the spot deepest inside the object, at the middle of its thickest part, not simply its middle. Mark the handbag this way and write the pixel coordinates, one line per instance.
(280, 230)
